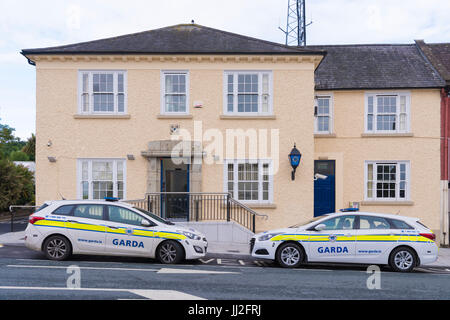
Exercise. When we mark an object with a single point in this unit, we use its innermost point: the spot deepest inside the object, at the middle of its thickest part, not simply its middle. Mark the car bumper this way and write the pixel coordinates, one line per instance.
(263, 249)
(428, 253)
(195, 249)
(33, 238)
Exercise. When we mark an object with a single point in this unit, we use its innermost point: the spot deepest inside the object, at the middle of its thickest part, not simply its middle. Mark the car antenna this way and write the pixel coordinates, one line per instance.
(61, 196)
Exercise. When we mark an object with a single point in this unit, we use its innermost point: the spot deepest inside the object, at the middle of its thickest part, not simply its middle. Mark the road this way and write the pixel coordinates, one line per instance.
(28, 275)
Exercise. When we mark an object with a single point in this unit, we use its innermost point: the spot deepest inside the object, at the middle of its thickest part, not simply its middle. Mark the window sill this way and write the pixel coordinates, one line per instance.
(240, 117)
(324, 135)
(386, 135)
(174, 116)
(260, 205)
(101, 116)
(387, 203)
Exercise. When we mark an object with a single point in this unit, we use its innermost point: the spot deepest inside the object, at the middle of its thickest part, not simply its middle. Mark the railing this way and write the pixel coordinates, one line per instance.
(20, 212)
(200, 206)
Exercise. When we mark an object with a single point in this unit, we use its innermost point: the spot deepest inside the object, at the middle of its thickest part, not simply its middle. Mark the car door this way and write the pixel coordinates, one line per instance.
(336, 242)
(125, 233)
(374, 239)
(87, 228)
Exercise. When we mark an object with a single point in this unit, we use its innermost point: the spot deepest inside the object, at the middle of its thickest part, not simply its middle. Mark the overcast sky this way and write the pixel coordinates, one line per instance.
(27, 24)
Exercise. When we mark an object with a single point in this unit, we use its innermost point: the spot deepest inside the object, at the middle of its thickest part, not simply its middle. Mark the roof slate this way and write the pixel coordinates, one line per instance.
(439, 55)
(178, 39)
(378, 66)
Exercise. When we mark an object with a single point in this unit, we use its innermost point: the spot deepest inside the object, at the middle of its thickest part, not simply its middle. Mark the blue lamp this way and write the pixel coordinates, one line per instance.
(294, 159)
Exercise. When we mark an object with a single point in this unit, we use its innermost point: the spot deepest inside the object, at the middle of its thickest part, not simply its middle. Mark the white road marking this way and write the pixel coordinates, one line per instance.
(1, 246)
(191, 271)
(241, 262)
(149, 294)
(207, 261)
(87, 268)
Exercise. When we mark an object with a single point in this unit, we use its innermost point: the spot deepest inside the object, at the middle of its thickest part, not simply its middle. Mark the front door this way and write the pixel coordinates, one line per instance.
(337, 242)
(175, 182)
(324, 189)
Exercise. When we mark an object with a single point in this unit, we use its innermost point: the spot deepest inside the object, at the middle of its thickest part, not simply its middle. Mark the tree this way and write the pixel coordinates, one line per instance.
(30, 147)
(19, 156)
(8, 142)
(16, 185)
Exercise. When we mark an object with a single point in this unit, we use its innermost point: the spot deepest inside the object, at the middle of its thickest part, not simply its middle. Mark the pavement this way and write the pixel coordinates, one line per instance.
(235, 250)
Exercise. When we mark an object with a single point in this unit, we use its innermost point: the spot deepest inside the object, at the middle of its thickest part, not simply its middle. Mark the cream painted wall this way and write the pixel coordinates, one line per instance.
(351, 149)
(293, 94)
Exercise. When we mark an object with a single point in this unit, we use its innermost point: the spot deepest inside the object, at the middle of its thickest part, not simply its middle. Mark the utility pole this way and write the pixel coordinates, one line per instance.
(296, 23)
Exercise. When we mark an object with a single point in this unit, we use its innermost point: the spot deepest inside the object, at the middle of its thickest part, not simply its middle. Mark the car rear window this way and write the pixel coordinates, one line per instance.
(64, 210)
(42, 207)
(399, 224)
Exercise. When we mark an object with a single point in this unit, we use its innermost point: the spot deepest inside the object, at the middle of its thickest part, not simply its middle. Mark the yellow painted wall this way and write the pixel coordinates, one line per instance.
(293, 95)
(350, 149)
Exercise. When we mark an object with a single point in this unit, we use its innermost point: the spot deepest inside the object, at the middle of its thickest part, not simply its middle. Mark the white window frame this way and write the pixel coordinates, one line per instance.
(397, 180)
(90, 74)
(91, 188)
(398, 96)
(235, 74)
(163, 91)
(330, 113)
(260, 163)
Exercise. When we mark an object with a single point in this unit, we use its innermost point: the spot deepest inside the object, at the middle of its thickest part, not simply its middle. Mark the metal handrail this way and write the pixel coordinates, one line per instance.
(249, 209)
(11, 211)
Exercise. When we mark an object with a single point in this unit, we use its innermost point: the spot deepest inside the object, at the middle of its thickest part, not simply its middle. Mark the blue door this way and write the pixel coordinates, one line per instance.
(324, 190)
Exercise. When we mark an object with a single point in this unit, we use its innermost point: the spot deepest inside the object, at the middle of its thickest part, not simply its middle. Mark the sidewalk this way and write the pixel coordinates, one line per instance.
(221, 248)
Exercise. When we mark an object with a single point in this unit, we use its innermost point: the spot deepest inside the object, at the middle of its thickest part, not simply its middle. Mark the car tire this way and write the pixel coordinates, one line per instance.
(289, 255)
(402, 259)
(170, 252)
(57, 248)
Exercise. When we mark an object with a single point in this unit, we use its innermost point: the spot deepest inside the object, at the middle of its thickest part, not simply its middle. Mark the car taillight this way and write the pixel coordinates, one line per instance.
(33, 219)
(430, 236)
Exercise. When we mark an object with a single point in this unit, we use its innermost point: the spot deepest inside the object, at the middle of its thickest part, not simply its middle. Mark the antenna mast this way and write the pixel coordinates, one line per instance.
(296, 23)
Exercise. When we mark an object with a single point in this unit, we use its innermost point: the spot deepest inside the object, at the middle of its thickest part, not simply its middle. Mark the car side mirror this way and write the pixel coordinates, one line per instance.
(146, 223)
(320, 227)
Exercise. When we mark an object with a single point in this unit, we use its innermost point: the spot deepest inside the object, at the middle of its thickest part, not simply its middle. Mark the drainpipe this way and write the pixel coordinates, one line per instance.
(445, 166)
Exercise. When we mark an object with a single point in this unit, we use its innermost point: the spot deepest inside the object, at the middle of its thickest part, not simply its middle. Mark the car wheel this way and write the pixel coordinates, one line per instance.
(170, 252)
(57, 248)
(402, 259)
(289, 255)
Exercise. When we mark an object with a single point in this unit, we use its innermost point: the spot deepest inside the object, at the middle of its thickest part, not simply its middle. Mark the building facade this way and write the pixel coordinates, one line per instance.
(190, 109)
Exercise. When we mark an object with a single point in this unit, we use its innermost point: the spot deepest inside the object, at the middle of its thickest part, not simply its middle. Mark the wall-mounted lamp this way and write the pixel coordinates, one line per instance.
(294, 159)
(51, 159)
(49, 143)
(130, 156)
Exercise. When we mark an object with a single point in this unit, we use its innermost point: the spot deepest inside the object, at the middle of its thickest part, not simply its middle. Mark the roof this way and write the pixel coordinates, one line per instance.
(439, 56)
(178, 39)
(378, 66)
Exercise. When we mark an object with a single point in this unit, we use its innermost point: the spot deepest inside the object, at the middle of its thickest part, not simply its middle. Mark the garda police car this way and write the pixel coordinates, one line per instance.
(358, 237)
(62, 228)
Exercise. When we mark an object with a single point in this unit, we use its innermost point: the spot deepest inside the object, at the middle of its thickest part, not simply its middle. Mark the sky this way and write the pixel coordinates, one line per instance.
(27, 24)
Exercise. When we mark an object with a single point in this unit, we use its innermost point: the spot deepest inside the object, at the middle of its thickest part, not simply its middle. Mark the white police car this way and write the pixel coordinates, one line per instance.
(62, 228)
(358, 237)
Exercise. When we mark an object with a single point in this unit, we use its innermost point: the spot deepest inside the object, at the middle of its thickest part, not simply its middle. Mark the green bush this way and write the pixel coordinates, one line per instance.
(18, 156)
(16, 185)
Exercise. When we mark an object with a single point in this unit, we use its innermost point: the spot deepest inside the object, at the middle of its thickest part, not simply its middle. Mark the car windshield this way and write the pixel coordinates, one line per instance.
(154, 216)
(308, 222)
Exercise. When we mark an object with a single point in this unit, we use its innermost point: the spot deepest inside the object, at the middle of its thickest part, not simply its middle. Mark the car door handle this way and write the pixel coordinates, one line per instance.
(72, 221)
(112, 227)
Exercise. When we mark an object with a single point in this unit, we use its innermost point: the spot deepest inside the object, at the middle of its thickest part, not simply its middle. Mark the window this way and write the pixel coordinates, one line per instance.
(387, 180)
(64, 210)
(102, 92)
(249, 181)
(323, 114)
(339, 223)
(368, 222)
(89, 211)
(122, 215)
(174, 92)
(398, 224)
(387, 113)
(101, 178)
(248, 93)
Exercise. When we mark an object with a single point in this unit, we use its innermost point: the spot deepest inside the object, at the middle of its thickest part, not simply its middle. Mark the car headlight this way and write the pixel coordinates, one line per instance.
(190, 235)
(268, 236)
